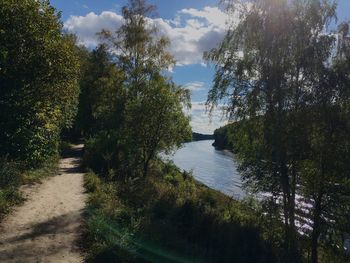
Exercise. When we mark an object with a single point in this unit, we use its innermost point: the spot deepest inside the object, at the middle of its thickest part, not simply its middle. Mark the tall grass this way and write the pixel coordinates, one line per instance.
(169, 217)
(49, 168)
(10, 179)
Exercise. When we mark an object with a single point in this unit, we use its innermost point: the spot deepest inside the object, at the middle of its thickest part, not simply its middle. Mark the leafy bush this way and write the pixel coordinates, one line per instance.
(9, 173)
(8, 197)
(169, 217)
(39, 71)
(109, 221)
(91, 183)
(10, 178)
(100, 152)
(49, 168)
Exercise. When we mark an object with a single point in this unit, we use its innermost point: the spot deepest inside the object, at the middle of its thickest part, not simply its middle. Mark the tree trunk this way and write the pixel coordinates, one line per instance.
(292, 252)
(314, 243)
(294, 248)
(316, 229)
(145, 168)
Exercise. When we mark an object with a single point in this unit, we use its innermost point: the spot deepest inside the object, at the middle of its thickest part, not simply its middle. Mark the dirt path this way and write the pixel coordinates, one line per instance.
(46, 227)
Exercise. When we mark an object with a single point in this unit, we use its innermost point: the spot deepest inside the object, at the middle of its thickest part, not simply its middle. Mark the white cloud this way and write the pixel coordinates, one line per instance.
(195, 86)
(191, 32)
(86, 27)
(202, 121)
(213, 15)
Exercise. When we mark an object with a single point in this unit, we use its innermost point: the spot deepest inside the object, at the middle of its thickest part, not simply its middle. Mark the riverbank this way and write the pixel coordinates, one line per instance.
(215, 168)
(237, 138)
(169, 217)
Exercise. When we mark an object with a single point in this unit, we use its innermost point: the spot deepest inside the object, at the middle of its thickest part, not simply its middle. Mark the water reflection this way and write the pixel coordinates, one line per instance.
(216, 169)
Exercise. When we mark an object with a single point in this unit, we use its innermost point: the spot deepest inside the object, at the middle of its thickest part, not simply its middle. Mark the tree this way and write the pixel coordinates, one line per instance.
(38, 79)
(268, 69)
(140, 52)
(326, 169)
(102, 97)
(154, 120)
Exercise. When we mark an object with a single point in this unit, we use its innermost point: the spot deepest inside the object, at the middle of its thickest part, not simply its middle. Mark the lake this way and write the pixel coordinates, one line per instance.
(214, 168)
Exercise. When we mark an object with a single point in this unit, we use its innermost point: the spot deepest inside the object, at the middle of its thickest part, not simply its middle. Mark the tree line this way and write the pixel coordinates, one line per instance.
(39, 73)
(118, 94)
(285, 80)
(130, 109)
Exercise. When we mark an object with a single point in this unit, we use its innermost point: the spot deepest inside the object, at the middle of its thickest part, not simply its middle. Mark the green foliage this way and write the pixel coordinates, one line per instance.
(101, 152)
(91, 182)
(154, 120)
(161, 124)
(49, 168)
(276, 71)
(10, 178)
(9, 173)
(222, 137)
(38, 79)
(8, 198)
(201, 137)
(107, 239)
(102, 95)
(169, 217)
(129, 109)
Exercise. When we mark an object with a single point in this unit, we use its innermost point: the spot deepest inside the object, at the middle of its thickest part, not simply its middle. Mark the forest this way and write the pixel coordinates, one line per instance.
(282, 74)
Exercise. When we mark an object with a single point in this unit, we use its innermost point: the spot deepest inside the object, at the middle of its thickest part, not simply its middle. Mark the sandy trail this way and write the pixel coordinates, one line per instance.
(46, 228)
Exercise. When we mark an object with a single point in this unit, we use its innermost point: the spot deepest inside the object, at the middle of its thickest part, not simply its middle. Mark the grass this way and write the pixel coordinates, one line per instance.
(9, 197)
(169, 217)
(12, 176)
(49, 168)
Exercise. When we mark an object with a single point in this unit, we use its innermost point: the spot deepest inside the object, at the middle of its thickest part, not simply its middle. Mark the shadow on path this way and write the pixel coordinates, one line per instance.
(23, 245)
(47, 227)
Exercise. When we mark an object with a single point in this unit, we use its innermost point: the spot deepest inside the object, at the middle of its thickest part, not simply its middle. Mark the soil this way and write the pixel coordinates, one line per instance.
(47, 227)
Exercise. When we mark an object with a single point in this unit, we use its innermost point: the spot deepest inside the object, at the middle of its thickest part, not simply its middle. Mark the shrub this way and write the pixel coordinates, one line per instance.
(100, 152)
(49, 168)
(168, 216)
(39, 80)
(92, 182)
(9, 173)
(10, 178)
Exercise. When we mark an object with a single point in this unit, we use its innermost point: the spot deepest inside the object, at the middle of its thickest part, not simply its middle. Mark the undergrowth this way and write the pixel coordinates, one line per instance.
(13, 175)
(168, 217)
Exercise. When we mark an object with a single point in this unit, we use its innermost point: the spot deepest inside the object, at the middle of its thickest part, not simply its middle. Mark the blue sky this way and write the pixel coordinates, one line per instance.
(193, 26)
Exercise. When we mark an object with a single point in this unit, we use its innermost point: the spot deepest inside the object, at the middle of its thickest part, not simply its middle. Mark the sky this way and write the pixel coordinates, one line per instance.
(193, 26)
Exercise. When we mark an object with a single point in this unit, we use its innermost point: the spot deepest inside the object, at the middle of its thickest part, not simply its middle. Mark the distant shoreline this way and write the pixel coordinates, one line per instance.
(201, 137)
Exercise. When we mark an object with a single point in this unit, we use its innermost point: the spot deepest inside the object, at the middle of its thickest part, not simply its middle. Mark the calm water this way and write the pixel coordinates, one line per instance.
(216, 169)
